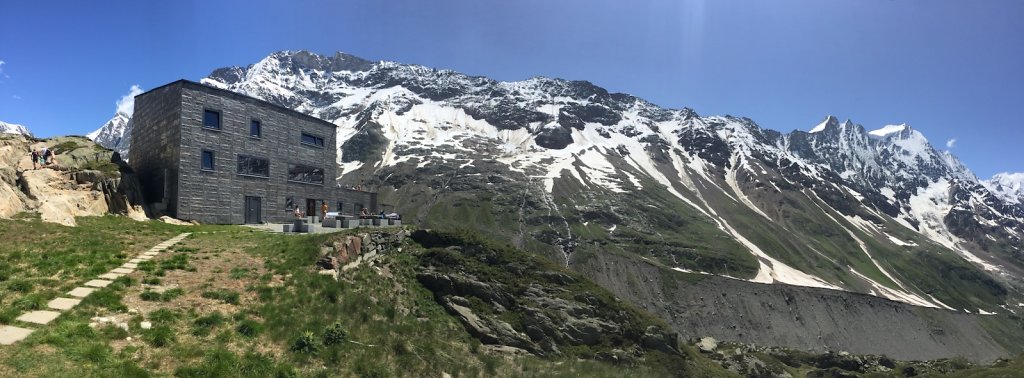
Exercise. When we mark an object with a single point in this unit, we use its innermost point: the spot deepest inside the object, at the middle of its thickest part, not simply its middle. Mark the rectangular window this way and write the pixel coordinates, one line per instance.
(207, 160)
(357, 208)
(253, 166)
(306, 174)
(255, 129)
(289, 203)
(211, 119)
(341, 207)
(312, 140)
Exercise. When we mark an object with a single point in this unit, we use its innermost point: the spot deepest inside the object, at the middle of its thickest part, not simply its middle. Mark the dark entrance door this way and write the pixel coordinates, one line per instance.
(311, 207)
(253, 209)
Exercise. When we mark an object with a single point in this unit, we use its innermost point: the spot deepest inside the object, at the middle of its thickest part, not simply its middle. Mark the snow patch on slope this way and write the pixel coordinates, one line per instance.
(929, 206)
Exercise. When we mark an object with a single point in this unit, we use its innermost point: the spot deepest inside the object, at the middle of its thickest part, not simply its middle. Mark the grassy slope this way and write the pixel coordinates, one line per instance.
(236, 302)
(39, 261)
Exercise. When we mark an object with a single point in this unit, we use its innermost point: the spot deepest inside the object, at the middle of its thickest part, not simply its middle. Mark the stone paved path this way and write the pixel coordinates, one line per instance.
(10, 334)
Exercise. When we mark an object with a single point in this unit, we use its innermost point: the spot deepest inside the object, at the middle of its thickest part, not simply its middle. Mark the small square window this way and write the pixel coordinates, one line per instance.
(207, 161)
(255, 129)
(211, 119)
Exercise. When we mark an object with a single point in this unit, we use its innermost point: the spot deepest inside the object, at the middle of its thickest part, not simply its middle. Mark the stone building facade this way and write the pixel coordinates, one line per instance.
(216, 156)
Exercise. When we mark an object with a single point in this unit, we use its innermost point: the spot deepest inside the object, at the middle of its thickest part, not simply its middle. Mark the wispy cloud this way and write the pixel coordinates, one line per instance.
(126, 104)
(2, 63)
(16, 97)
(951, 143)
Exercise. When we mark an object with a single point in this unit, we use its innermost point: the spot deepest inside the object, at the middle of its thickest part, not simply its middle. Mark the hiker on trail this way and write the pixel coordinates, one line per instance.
(48, 155)
(42, 156)
(35, 159)
(323, 209)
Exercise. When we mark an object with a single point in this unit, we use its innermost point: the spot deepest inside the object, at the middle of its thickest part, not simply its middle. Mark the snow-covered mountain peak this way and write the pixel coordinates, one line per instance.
(1007, 186)
(829, 120)
(115, 134)
(888, 130)
(11, 128)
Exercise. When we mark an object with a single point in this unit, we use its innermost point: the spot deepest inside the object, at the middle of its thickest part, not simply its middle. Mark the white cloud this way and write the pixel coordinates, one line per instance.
(126, 104)
(951, 143)
(16, 97)
(2, 63)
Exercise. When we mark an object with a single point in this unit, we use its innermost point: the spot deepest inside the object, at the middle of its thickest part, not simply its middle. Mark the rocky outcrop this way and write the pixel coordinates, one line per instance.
(73, 186)
(802, 318)
(512, 302)
(546, 315)
(59, 197)
(507, 298)
(12, 199)
(489, 330)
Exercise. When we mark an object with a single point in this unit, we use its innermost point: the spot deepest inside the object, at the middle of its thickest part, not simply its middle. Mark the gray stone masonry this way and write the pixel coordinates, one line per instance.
(168, 138)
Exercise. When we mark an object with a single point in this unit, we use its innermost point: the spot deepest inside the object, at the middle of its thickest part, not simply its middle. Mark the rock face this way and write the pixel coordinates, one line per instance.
(808, 319)
(12, 199)
(60, 198)
(507, 298)
(65, 190)
(510, 301)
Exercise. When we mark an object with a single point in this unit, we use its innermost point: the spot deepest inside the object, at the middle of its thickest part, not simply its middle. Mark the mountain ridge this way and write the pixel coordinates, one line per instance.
(12, 128)
(881, 196)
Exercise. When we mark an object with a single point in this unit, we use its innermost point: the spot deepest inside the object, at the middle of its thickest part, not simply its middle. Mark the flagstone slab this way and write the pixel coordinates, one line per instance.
(145, 258)
(81, 292)
(39, 316)
(11, 334)
(135, 260)
(122, 271)
(130, 265)
(110, 276)
(98, 283)
(63, 303)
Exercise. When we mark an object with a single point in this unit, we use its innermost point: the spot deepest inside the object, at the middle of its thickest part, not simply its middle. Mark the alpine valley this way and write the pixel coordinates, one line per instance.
(836, 238)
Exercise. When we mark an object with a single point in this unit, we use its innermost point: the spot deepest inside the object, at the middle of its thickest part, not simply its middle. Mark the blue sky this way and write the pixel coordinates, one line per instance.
(951, 69)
